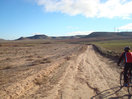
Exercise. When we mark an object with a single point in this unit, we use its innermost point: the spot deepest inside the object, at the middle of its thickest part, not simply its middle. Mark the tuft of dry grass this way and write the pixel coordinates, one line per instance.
(41, 80)
(7, 67)
(40, 61)
(67, 58)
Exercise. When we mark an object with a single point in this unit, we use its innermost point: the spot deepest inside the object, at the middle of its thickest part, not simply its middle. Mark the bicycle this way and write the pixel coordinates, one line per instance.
(129, 80)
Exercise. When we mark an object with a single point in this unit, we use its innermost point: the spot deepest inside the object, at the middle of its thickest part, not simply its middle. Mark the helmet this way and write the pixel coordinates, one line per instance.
(126, 49)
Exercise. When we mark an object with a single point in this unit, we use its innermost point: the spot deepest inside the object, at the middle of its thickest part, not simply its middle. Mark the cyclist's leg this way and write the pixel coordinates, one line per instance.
(130, 69)
(131, 66)
(126, 68)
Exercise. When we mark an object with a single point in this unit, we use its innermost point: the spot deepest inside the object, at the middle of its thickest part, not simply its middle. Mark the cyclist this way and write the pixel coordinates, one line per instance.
(127, 57)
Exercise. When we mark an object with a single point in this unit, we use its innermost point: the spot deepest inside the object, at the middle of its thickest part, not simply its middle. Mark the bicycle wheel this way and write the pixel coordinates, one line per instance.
(129, 88)
(129, 84)
(122, 79)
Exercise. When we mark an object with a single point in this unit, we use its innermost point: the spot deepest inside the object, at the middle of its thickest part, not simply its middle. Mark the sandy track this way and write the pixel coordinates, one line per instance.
(88, 76)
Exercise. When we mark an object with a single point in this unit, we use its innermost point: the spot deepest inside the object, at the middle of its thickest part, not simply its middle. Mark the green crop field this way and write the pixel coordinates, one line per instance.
(116, 46)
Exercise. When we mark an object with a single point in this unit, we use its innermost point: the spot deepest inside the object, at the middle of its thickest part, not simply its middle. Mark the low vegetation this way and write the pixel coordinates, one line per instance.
(112, 48)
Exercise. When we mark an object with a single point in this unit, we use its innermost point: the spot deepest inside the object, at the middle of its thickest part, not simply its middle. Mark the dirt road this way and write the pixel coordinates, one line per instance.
(88, 76)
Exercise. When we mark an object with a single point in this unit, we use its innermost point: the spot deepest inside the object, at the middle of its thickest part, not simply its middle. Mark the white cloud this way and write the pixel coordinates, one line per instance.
(89, 8)
(126, 27)
(116, 8)
(79, 33)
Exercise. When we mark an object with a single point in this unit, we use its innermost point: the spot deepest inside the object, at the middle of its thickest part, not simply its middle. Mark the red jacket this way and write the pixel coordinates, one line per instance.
(127, 56)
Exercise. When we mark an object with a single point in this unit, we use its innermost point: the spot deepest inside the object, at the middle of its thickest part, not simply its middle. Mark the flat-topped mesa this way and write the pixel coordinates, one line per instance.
(38, 37)
(33, 37)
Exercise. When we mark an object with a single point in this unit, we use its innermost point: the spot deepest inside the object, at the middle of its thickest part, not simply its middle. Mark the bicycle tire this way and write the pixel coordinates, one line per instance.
(129, 85)
(122, 79)
(129, 88)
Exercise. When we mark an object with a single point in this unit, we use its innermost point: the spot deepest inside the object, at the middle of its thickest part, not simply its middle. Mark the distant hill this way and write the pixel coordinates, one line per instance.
(69, 37)
(125, 34)
(109, 34)
(93, 35)
(46, 37)
(34, 37)
(2, 40)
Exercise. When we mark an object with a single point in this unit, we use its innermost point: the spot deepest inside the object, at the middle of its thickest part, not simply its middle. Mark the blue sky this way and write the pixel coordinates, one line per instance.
(63, 17)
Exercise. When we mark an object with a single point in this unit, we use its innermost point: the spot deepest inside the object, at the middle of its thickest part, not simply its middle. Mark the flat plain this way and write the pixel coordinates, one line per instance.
(57, 70)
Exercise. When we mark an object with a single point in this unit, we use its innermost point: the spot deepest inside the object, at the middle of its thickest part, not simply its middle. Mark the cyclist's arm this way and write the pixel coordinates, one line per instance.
(121, 58)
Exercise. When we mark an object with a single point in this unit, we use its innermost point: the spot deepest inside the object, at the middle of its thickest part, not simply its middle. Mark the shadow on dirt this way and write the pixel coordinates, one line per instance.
(108, 94)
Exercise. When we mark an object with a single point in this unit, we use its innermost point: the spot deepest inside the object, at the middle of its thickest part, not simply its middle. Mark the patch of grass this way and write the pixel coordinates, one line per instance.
(116, 46)
(111, 49)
